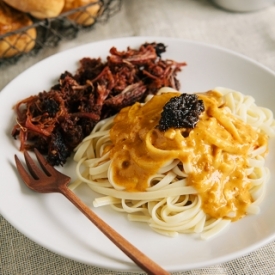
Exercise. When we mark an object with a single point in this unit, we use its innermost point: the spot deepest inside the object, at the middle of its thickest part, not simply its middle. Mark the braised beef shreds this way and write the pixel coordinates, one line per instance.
(130, 95)
(58, 151)
(56, 121)
(159, 48)
(50, 106)
(181, 112)
(89, 69)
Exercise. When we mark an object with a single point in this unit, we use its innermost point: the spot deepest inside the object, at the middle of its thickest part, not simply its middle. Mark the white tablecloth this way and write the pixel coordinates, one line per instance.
(251, 34)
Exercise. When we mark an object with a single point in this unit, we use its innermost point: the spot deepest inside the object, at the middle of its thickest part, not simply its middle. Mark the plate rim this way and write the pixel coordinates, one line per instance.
(243, 252)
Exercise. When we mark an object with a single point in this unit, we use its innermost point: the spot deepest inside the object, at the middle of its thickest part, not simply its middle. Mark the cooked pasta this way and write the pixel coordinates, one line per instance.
(179, 181)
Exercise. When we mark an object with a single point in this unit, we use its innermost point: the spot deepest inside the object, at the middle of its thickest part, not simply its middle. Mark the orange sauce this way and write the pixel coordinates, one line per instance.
(216, 149)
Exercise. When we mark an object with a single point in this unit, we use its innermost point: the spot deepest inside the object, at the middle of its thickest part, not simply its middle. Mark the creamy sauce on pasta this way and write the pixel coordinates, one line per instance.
(214, 153)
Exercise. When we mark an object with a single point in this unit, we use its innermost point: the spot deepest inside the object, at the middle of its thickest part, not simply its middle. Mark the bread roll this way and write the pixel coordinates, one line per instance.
(38, 8)
(11, 20)
(86, 17)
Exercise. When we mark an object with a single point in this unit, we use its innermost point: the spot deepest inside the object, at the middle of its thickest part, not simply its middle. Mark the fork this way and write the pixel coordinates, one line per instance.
(50, 180)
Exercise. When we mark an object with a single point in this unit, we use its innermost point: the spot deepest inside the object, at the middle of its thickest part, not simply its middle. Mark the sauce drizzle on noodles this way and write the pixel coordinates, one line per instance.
(214, 155)
(183, 180)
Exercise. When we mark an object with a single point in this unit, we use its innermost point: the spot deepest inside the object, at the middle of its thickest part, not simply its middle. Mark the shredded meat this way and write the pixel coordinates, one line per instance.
(56, 121)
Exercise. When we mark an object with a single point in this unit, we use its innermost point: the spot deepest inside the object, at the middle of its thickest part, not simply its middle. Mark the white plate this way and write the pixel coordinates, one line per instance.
(53, 222)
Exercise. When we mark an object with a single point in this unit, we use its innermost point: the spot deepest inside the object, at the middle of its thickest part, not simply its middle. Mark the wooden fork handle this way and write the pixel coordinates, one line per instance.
(145, 263)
